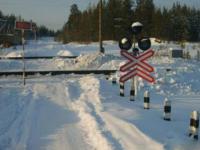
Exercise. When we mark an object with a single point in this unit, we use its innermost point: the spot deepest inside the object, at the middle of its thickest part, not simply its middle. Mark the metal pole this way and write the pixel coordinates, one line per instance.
(133, 91)
(135, 78)
(100, 28)
(23, 42)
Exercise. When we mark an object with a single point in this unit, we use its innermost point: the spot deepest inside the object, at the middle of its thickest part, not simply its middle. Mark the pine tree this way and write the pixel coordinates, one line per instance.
(73, 24)
(179, 23)
(158, 24)
(194, 26)
(166, 25)
(127, 16)
(144, 13)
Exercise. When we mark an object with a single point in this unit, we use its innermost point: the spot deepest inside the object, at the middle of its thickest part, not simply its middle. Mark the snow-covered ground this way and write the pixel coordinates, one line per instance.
(72, 112)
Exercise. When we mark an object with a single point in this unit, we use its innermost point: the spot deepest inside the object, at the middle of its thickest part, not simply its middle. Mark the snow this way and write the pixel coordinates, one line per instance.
(71, 112)
(64, 53)
(14, 54)
(97, 60)
(136, 24)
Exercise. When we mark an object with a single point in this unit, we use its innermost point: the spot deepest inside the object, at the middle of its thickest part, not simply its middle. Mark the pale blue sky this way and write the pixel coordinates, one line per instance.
(54, 13)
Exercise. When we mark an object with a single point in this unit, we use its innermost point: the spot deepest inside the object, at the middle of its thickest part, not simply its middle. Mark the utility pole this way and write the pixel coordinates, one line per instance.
(100, 28)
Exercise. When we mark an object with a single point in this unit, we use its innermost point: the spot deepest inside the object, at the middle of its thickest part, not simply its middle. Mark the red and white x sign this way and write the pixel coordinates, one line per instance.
(136, 66)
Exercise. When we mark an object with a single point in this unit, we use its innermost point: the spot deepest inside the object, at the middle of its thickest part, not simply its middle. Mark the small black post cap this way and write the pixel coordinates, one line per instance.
(136, 28)
(196, 137)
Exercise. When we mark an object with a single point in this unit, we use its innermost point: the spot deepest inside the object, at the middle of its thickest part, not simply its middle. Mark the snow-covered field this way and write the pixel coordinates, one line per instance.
(85, 112)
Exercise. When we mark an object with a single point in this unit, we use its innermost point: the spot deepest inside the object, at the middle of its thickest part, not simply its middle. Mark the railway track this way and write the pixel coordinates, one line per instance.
(56, 72)
(39, 57)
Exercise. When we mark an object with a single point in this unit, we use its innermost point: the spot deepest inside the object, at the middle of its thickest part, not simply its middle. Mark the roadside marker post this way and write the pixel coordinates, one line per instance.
(194, 125)
(114, 80)
(121, 89)
(132, 91)
(107, 76)
(146, 100)
(167, 110)
(198, 55)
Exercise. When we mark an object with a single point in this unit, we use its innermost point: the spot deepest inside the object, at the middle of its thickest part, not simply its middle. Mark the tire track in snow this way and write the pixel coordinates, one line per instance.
(121, 134)
(12, 106)
(96, 114)
(25, 124)
(89, 106)
(92, 131)
(54, 125)
(129, 136)
(16, 136)
(45, 121)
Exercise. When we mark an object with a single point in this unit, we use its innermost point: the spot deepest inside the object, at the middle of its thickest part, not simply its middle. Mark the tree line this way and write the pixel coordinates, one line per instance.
(42, 31)
(178, 23)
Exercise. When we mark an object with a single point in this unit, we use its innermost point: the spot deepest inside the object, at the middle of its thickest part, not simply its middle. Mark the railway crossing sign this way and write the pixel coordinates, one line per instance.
(136, 66)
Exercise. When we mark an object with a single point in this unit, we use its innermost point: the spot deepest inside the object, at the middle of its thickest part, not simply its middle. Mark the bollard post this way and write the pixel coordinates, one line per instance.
(114, 80)
(194, 124)
(121, 89)
(132, 91)
(198, 55)
(132, 95)
(107, 76)
(167, 110)
(146, 100)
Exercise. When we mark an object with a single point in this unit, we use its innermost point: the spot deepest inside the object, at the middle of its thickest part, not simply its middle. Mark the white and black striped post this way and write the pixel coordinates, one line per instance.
(114, 80)
(121, 89)
(198, 55)
(167, 110)
(146, 100)
(194, 124)
(107, 76)
(132, 91)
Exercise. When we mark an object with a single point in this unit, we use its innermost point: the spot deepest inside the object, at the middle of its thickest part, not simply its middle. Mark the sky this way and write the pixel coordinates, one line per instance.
(54, 13)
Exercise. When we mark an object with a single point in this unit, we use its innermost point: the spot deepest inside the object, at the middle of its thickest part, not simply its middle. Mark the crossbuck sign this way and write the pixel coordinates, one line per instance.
(136, 66)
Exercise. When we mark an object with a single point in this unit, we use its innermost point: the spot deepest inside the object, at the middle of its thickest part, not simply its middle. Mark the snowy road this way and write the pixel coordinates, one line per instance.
(66, 115)
(86, 112)
(72, 112)
(45, 120)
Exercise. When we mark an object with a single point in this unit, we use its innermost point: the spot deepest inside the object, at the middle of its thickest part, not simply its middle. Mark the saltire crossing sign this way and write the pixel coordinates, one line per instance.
(136, 66)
